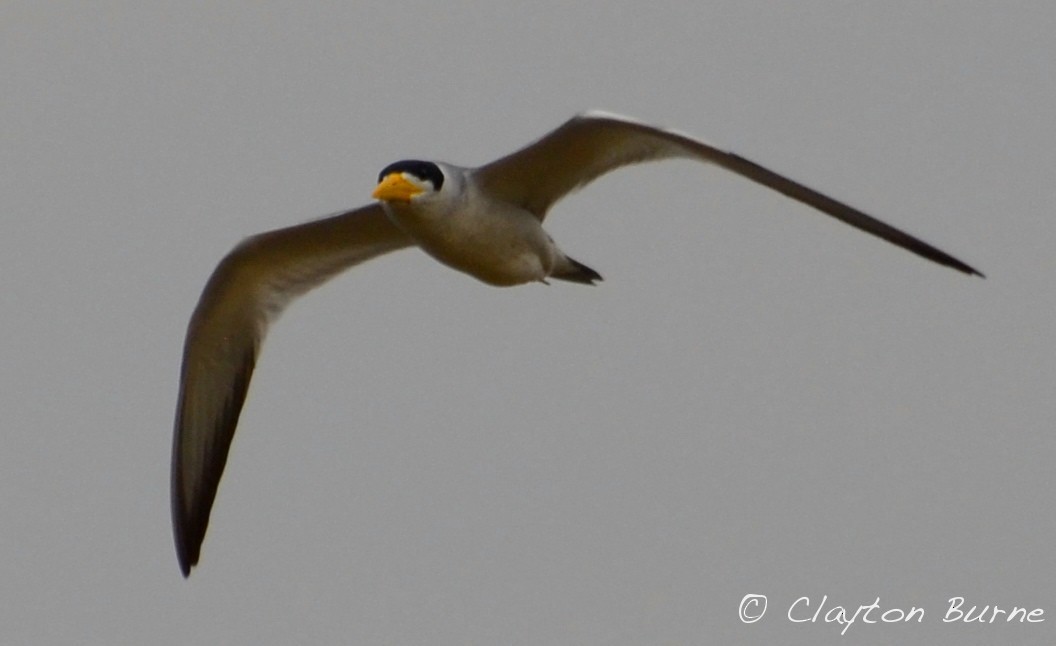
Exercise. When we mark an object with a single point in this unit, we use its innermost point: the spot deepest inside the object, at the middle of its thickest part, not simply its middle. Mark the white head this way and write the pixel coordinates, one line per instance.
(417, 182)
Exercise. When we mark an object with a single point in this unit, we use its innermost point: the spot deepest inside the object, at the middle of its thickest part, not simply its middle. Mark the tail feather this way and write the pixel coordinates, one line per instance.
(574, 272)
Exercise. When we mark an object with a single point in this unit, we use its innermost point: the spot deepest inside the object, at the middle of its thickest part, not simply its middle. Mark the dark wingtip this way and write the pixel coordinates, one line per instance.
(187, 549)
(186, 559)
(953, 263)
(189, 525)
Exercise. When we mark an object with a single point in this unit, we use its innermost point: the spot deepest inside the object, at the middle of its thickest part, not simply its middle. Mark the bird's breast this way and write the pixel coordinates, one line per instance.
(499, 246)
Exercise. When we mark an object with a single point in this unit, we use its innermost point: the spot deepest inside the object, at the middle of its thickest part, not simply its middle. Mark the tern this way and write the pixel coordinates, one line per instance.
(484, 221)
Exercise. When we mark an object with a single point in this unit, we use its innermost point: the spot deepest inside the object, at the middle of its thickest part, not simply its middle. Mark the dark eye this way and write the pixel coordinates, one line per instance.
(423, 170)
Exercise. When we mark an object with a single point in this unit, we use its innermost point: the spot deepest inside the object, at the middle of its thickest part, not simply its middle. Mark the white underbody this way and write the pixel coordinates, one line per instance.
(493, 241)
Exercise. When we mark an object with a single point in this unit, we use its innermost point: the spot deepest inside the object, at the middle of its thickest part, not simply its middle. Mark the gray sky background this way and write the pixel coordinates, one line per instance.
(756, 400)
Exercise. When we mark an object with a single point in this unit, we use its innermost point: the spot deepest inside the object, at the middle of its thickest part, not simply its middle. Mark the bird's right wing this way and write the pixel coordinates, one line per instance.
(247, 290)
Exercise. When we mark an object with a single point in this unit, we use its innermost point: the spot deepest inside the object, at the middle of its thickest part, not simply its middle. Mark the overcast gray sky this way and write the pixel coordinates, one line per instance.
(756, 400)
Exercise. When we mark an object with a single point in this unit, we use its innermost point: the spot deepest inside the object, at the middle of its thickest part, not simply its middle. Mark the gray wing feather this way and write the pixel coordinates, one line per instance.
(246, 291)
(593, 144)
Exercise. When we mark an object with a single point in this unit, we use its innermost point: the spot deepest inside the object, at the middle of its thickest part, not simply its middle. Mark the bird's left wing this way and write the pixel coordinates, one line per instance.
(247, 290)
(594, 143)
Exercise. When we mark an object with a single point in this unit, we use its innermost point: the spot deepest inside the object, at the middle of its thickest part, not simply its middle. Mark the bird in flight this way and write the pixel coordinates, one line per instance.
(484, 221)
